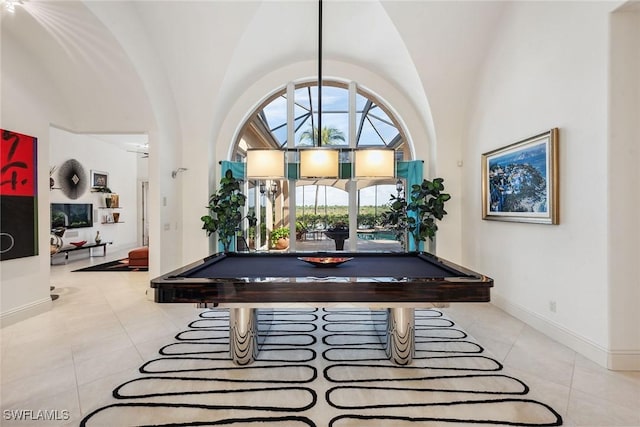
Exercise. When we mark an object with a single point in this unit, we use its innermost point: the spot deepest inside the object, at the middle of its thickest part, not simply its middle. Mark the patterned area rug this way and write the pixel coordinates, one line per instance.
(119, 265)
(323, 367)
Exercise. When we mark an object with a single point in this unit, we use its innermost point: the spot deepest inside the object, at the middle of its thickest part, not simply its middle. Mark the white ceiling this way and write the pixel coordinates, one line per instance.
(86, 66)
(210, 50)
(138, 143)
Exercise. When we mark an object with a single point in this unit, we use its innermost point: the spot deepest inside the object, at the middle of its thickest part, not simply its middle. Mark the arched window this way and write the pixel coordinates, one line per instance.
(375, 127)
(319, 203)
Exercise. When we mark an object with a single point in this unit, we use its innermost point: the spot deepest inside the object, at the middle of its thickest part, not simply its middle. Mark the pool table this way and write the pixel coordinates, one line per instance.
(398, 282)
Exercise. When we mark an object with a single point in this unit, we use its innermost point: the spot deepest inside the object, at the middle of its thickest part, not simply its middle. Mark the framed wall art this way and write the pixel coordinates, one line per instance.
(520, 181)
(18, 196)
(99, 179)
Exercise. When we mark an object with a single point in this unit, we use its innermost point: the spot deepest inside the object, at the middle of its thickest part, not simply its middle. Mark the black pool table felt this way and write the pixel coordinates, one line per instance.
(364, 266)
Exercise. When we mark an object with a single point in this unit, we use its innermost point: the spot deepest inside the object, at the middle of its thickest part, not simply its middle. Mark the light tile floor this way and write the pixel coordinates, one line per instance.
(103, 327)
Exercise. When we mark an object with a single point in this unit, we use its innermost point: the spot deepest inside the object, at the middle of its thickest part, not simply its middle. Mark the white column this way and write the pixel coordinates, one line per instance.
(352, 185)
(292, 182)
(245, 221)
(268, 217)
(352, 188)
(258, 204)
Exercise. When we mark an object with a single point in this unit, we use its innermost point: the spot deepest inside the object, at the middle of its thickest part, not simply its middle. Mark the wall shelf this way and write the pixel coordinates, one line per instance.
(109, 214)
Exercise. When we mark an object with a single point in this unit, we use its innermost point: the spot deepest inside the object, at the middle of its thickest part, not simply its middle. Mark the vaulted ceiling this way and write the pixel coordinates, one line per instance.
(209, 50)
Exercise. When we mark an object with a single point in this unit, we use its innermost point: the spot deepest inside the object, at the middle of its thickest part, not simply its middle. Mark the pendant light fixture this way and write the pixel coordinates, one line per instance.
(319, 162)
(374, 163)
(265, 164)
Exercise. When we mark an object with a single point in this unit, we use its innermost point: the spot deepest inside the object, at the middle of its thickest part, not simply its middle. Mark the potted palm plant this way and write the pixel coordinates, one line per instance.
(225, 210)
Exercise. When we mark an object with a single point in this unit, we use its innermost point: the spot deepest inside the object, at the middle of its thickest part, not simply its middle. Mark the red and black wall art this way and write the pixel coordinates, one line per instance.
(18, 196)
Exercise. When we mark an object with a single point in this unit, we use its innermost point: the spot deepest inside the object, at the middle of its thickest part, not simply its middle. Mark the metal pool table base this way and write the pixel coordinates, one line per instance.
(244, 343)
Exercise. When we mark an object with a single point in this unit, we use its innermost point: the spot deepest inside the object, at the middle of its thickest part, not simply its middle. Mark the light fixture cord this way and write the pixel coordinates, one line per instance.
(319, 73)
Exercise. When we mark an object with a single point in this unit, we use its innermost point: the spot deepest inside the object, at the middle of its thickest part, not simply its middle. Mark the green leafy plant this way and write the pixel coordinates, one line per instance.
(253, 221)
(418, 215)
(225, 210)
(396, 217)
(301, 229)
(279, 233)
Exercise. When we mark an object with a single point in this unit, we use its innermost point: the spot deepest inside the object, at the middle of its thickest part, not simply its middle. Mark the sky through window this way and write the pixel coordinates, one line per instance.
(374, 127)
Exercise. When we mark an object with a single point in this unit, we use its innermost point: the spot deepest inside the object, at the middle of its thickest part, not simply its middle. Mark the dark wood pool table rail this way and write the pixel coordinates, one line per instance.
(463, 285)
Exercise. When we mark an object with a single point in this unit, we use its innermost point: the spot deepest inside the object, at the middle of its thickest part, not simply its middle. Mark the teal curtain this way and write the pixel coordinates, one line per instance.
(412, 172)
(237, 168)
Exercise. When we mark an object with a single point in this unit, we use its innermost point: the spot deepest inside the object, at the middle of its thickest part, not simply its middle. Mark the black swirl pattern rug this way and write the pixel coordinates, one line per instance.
(323, 367)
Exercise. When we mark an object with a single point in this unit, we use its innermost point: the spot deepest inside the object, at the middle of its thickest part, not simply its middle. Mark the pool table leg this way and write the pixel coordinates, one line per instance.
(243, 335)
(400, 335)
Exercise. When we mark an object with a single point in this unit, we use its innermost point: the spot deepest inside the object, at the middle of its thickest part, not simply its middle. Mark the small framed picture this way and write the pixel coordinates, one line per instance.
(99, 179)
(520, 181)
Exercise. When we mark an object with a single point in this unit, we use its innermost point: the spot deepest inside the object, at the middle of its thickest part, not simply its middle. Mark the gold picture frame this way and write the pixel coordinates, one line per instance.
(520, 181)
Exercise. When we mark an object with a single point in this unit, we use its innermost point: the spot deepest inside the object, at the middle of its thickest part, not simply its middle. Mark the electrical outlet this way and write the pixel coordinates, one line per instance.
(552, 306)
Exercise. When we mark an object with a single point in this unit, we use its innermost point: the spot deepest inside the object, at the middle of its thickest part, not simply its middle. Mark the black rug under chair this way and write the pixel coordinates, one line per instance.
(323, 368)
(118, 265)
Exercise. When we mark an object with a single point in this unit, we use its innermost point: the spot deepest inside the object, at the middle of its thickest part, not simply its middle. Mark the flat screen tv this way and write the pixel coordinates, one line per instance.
(71, 215)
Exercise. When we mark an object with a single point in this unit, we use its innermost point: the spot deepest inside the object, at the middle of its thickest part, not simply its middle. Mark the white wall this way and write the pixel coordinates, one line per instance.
(623, 190)
(547, 68)
(95, 154)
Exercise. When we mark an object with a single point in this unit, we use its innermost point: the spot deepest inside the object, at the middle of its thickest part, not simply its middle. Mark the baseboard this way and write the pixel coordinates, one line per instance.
(624, 360)
(26, 311)
(614, 360)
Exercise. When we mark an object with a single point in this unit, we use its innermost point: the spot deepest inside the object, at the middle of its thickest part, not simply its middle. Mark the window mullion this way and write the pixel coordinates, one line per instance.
(291, 143)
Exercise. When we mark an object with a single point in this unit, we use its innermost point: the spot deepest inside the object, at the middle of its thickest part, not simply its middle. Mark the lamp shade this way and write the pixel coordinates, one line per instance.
(374, 163)
(265, 164)
(319, 163)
